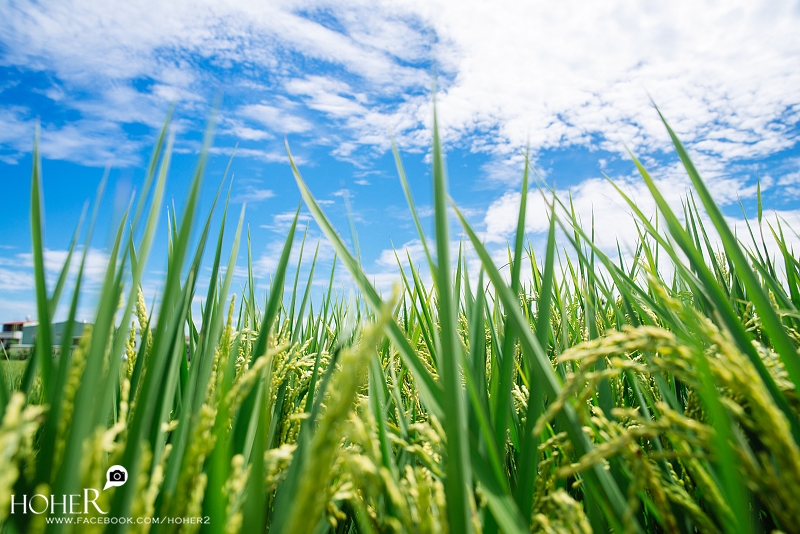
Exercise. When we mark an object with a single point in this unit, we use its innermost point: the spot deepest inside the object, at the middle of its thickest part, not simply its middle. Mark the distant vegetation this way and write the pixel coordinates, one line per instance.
(569, 393)
(16, 353)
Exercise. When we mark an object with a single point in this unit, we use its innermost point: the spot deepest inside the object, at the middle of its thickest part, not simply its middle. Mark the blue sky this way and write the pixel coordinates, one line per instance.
(572, 79)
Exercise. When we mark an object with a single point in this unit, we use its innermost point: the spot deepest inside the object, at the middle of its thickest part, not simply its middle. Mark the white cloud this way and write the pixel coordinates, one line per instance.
(15, 280)
(557, 74)
(283, 221)
(96, 143)
(268, 156)
(791, 178)
(595, 201)
(240, 131)
(17, 309)
(560, 73)
(253, 194)
(346, 74)
(789, 185)
(278, 120)
(413, 249)
(333, 97)
(265, 264)
(789, 220)
(93, 271)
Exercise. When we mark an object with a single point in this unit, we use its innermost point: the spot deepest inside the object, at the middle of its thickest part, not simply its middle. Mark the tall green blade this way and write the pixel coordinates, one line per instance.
(503, 398)
(599, 481)
(458, 479)
(707, 287)
(243, 426)
(771, 322)
(45, 468)
(430, 391)
(529, 453)
(44, 345)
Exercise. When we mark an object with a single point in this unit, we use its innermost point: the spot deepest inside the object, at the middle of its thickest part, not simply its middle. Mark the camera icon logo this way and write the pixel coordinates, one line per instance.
(116, 476)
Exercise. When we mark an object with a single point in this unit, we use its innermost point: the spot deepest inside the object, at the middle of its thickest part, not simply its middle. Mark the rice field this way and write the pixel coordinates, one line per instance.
(568, 391)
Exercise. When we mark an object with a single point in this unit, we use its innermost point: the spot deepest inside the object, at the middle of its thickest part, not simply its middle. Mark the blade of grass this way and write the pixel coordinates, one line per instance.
(771, 322)
(706, 284)
(503, 399)
(44, 468)
(529, 454)
(598, 480)
(244, 419)
(429, 390)
(43, 359)
(458, 478)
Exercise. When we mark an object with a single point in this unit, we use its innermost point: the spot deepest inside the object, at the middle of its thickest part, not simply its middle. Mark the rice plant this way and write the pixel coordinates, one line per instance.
(571, 392)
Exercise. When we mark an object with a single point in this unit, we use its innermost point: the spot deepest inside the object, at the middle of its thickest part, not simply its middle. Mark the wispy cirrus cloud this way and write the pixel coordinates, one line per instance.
(253, 194)
(277, 119)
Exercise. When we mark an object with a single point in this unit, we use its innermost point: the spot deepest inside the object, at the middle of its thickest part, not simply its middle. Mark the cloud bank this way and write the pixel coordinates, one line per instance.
(554, 75)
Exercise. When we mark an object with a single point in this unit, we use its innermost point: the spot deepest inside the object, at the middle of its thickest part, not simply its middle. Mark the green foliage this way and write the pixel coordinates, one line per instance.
(570, 393)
